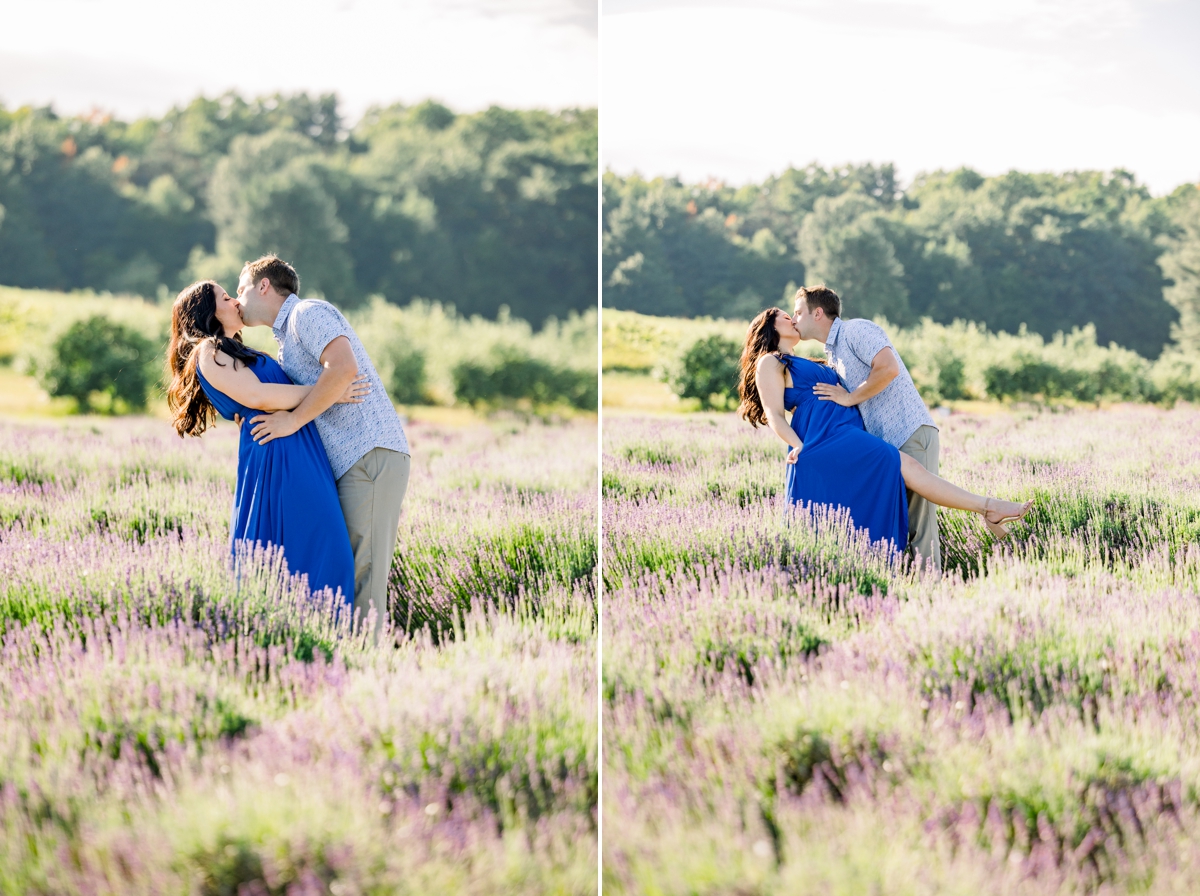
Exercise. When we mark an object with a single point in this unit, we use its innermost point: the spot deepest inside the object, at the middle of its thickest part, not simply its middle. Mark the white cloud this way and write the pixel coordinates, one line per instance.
(1045, 19)
(1038, 18)
(740, 93)
(142, 56)
(580, 13)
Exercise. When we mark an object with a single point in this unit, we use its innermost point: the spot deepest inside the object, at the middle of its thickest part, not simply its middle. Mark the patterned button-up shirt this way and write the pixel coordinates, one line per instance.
(303, 328)
(898, 411)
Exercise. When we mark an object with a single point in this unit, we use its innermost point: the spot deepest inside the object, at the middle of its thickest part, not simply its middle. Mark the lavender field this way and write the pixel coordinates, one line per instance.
(787, 710)
(168, 728)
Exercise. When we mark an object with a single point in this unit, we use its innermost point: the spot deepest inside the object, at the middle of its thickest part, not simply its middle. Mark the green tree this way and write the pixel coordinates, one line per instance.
(271, 194)
(98, 355)
(1053, 252)
(678, 250)
(494, 208)
(80, 216)
(1181, 265)
(637, 272)
(844, 244)
(708, 370)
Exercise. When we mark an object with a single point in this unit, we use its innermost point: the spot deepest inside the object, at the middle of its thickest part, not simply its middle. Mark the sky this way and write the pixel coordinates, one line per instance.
(141, 57)
(736, 92)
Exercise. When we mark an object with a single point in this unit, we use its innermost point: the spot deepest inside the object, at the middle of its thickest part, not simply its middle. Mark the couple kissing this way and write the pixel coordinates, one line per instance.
(860, 436)
(323, 461)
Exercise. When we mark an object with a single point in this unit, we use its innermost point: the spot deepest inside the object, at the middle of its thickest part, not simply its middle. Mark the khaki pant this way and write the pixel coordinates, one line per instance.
(922, 446)
(371, 493)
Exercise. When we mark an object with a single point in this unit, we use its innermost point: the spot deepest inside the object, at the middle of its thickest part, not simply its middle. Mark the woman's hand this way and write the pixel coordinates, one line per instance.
(794, 455)
(359, 388)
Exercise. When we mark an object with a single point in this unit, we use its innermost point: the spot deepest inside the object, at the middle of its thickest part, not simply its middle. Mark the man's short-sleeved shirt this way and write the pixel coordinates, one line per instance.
(303, 328)
(898, 411)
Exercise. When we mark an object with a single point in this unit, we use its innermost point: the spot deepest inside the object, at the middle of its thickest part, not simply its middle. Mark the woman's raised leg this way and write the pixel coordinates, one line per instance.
(947, 494)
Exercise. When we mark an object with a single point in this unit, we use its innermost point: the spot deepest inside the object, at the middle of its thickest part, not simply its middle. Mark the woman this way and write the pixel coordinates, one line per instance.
(841, 464)
(285, 493)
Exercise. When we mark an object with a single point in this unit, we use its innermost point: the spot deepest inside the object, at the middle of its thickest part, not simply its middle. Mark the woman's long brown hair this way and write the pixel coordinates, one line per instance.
(193, 323)
(762, 338)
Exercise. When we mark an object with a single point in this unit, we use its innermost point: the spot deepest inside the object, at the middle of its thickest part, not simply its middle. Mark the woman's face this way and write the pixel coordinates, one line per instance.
(229, 312)
(786, 328)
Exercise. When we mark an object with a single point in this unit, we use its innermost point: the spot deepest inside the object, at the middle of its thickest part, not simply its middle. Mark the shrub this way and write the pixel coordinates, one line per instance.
(708, 369)
(1022, 375)
(952, 379)
(436, 332)
(1176, 377)
(964, 360)
(509, 376)
(1071, 367)
(408, 383)
(100, 355)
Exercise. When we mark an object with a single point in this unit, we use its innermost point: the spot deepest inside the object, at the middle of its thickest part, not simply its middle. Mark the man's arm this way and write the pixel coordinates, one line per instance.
(884, 369)
(340, 369)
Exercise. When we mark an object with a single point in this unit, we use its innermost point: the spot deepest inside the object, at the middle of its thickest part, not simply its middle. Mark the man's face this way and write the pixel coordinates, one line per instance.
(249, 296)
(806, 325)
(243, 288)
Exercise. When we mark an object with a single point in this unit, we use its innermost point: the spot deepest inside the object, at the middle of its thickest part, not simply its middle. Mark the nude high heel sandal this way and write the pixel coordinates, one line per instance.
(995, 526)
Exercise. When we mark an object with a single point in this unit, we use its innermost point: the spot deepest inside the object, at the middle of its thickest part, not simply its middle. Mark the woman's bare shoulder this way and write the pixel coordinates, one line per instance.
(769, 361)
(207, 352)
(212, 360)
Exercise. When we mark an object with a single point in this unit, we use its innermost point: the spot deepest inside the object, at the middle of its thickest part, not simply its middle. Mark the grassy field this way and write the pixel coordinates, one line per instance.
(788, 710)
(166, 727)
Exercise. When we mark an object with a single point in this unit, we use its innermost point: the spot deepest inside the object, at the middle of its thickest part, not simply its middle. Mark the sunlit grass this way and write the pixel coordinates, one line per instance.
(641, 393)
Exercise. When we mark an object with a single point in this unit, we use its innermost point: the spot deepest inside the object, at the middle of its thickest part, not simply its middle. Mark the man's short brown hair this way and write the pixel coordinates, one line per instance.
(282, 275)
(821, 297)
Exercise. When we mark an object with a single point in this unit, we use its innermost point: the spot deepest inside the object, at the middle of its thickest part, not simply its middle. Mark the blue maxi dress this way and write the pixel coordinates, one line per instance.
(286, 494)
(841, 464)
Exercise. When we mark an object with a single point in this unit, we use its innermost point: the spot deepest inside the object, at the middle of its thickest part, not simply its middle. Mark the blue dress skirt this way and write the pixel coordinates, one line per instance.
(841, 464)
(286, 495)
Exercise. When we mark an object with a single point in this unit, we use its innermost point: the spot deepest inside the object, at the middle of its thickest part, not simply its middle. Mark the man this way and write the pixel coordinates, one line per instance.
(365, 442)
(876, 381)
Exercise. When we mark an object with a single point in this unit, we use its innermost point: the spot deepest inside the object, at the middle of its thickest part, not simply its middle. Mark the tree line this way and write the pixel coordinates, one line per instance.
(482, 210)
(1050, 252)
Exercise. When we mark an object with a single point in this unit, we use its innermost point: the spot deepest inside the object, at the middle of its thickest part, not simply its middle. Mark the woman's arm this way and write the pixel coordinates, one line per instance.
(770, 383)
(242, 385)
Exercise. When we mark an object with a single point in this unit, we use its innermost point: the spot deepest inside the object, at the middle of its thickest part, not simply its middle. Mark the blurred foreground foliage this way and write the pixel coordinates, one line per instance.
(790, 711)
(176, 723)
